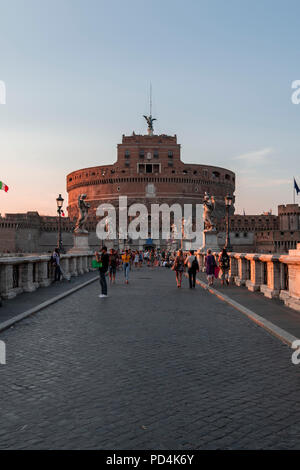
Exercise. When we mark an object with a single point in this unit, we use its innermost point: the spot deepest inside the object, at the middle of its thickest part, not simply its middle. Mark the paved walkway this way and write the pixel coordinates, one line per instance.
(29, 300)
(150, 367)
(272, 310)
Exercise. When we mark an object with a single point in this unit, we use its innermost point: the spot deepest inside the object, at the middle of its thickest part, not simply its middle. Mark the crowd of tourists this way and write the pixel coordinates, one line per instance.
(109, 263)
(112, 261)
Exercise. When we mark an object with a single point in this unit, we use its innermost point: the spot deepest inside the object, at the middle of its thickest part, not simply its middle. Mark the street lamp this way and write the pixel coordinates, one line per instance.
(228, 203)
(59, 201)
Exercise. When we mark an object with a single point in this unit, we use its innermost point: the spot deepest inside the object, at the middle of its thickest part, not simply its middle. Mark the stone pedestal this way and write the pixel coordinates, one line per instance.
(210, 241)
(81, 243)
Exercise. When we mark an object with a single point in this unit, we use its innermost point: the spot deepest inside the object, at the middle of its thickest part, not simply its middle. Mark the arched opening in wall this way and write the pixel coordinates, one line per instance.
(216, 174)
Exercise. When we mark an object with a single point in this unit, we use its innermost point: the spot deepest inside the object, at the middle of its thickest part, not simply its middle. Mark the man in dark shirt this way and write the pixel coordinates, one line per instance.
(103, 259)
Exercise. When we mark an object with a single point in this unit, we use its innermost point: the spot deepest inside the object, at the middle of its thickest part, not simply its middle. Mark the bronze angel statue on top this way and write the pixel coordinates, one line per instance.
(150, 120)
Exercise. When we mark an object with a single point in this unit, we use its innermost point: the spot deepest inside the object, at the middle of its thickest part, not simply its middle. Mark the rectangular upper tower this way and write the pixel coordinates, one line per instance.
(148, 153)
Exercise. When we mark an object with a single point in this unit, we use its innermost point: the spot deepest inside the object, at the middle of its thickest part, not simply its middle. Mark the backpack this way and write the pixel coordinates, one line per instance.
(195, 265)
(224, 261)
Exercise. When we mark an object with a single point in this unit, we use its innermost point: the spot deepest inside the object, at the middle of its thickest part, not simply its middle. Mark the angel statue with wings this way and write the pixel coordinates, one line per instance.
(83, 214)
(150, 120)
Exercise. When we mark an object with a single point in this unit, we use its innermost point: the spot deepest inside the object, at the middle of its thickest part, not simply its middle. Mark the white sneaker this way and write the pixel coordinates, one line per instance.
(101, 295)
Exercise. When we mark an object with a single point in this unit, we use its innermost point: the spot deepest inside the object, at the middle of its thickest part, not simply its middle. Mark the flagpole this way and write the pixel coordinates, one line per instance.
(294, 190)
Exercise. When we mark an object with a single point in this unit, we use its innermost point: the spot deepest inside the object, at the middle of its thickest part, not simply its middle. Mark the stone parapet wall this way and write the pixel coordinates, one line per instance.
(276, 276)
(27, 273)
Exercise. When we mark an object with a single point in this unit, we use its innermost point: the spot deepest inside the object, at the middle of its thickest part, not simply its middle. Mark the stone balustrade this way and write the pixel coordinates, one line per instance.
(276, 276)
(26, 273)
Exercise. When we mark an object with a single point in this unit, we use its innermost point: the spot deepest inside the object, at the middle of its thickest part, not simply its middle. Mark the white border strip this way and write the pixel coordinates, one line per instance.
(281, 334)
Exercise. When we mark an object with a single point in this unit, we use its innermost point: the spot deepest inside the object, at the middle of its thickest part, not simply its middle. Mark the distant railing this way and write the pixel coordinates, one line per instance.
(276, 276)
(27, 273)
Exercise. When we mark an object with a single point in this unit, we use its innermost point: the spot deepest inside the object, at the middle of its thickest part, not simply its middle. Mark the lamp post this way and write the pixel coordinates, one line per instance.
(228, 203)
(59, 201)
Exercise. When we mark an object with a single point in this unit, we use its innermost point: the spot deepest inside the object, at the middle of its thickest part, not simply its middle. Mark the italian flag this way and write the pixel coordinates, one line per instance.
(3, 186)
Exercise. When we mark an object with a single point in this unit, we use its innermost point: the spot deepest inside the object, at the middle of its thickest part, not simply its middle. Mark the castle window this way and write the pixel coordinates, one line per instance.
(227, 177)
(170, 154)
(70, 179)
(148, 168)
(155, 154)
(127, 154)
(185, 172)
(216, 174)
(142, 153)
(170, 163)
(194, 172)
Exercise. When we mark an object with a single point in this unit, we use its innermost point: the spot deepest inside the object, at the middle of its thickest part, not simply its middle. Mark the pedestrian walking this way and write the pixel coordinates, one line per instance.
(224, 263)
(112, 265)
(126, 265)
(210, 264)
(140, 259)
(193, 267)
(136, 259)
(56, 263)
(103, 260)
(178, 267)
(152, 258)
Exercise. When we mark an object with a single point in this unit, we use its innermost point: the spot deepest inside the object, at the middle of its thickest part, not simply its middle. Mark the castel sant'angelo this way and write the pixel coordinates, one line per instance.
(148, 170)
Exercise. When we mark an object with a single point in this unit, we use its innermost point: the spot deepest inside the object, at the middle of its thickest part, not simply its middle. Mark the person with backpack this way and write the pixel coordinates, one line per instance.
(103, 260)
(193, 267)
(55, 260)
(224, 263)
(210, 264)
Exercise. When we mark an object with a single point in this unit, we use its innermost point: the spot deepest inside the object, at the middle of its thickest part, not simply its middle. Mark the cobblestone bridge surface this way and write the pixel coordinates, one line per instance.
(150, 367)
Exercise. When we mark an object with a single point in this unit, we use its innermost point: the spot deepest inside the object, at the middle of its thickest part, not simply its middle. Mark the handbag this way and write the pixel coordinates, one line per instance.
(96, 264)
(216, 273)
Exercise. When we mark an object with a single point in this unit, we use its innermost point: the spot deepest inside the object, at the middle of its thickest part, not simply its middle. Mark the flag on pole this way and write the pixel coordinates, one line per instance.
(296, 187)
(3, 186)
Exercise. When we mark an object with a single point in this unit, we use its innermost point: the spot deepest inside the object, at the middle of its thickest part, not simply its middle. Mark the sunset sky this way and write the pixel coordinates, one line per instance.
(77, 75)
